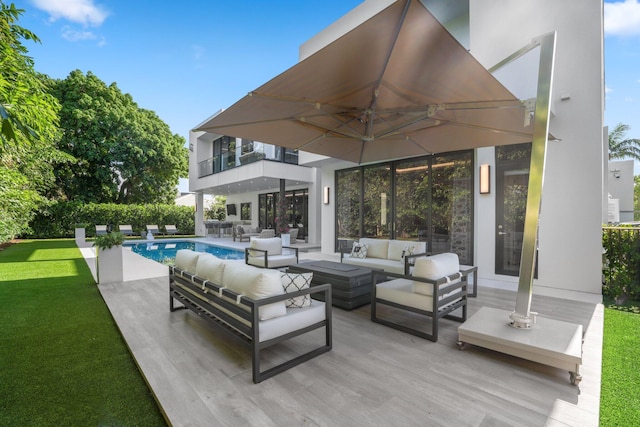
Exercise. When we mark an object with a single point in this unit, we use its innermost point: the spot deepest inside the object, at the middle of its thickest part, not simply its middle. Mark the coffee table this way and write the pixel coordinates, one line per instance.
(350, 284)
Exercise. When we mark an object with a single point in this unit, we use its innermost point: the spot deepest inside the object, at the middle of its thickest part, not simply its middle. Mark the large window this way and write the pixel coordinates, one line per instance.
(377, 201)
(428, 199)
(348, 190)
(297, 202)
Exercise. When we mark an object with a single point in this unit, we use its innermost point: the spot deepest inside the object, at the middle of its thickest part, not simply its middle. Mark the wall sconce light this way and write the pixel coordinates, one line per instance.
(485, 179)
(325, 196)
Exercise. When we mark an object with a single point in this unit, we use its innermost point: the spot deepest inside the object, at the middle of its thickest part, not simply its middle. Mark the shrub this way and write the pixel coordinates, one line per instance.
(58, 219)
(621, 268)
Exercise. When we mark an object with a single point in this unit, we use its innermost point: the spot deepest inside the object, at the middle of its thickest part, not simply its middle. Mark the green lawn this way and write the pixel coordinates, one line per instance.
(620, 391)
(62, 358)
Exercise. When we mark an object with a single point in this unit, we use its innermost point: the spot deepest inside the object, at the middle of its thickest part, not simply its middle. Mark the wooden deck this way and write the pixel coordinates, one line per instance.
(374, 376)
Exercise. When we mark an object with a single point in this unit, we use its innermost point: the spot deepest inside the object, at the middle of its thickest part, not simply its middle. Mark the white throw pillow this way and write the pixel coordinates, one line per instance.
(293, 282)
(408, 250)
(211, 268)
(186, 260)
(359, 250)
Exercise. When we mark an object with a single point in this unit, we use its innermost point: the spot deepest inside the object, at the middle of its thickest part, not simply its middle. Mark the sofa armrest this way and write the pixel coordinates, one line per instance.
(409, 261)
(247, 252)
(295, 249)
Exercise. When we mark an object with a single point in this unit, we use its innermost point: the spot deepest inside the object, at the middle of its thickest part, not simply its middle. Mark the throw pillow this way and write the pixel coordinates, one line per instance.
(359, 250)
(292, 282)
(407, 251)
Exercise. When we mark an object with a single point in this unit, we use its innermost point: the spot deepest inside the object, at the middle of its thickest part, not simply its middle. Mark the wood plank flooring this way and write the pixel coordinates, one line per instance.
(374, 376)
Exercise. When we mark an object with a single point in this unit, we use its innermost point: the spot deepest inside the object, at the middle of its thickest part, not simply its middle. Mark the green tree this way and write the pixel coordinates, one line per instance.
(621, 147)
(28, 128)
(125, 154)
(217, 209)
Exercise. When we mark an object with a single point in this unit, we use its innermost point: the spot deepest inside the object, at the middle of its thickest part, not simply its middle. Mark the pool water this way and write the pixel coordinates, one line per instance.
(165, 252)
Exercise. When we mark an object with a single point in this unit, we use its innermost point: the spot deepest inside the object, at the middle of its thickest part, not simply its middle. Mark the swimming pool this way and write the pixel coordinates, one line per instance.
(165, 252)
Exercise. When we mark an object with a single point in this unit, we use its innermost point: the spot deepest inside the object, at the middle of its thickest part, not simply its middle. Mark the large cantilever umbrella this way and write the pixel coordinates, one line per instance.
(398, 85)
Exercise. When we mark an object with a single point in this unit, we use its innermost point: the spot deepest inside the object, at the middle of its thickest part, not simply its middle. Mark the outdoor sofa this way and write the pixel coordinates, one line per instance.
(241, 233)
(392, 256)
(262, 307)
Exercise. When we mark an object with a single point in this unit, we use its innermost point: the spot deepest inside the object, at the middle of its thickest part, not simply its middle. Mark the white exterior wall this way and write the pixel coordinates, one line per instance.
(620, 186)
(570, 246)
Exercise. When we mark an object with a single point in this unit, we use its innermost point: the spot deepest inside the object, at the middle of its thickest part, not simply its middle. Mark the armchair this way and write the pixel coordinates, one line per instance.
(269, 253)
(437, 288)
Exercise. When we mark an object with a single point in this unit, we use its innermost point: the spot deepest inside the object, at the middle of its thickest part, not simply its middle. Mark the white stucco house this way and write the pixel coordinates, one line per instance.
(485, 229)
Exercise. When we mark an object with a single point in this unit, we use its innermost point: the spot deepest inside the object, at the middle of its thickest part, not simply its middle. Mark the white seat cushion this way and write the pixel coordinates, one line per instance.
(274, 261)
(401, 292)
(295, 319)
(390, 266)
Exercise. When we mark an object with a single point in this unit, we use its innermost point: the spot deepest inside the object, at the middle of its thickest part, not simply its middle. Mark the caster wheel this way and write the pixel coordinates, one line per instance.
(574, 378)
(461, 345)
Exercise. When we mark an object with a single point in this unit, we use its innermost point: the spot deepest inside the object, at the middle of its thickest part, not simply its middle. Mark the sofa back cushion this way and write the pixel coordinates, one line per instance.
(210, 267)
(399, 248)
(255, 283)
(186, 260)
(437, 266)
(396, 249)
(272, 245)
(376, 248)
(434, 267)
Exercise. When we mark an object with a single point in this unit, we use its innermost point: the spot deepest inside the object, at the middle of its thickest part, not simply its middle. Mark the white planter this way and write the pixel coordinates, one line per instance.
(110, 265)
(286, 239)
(80, 236)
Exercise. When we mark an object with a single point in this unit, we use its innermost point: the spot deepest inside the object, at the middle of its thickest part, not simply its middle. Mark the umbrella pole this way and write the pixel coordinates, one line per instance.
(522, 317)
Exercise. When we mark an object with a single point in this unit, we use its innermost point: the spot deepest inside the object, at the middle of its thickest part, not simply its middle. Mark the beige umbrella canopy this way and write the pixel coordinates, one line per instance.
(398, 85)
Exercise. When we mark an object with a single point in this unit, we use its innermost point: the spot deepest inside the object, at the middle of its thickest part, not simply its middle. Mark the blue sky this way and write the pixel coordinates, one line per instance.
(187, 61)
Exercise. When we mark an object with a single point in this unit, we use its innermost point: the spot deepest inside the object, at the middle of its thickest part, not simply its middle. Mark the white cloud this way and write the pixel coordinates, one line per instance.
(72, 35)
(84, 12)
(622, 18)
(607, 89)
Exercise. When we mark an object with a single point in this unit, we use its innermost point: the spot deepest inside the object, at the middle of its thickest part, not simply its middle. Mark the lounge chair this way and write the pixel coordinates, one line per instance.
(101, 229)
(170, 229)
(270, 253)
(267, 233)
(153, 228)
(126, 230)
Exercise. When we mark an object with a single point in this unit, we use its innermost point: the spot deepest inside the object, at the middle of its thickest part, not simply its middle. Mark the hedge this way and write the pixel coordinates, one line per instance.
(59, 219)
(621, 269)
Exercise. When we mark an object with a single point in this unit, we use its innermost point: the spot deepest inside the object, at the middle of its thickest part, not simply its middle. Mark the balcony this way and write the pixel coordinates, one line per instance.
(230, 160)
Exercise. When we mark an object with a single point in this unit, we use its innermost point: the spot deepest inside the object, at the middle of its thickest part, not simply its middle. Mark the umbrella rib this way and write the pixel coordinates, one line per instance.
(374, 100)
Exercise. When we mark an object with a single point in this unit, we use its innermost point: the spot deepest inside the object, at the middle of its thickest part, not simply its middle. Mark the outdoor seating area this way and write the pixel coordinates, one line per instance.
(373, 375)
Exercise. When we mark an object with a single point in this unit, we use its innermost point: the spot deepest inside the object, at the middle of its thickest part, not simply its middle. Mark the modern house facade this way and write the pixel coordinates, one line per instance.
(438, 198)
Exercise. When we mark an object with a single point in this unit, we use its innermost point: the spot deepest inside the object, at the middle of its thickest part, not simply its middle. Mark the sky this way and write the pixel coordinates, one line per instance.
(188, 61)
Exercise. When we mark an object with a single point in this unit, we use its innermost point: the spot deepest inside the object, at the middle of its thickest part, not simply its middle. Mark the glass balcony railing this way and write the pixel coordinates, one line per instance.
(226, 161)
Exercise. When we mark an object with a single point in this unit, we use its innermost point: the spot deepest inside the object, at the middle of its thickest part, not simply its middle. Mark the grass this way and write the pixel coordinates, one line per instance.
(620, 394)
(62, 358)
